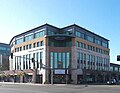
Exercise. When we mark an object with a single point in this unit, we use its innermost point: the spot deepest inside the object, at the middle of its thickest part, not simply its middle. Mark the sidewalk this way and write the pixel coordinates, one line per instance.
(6, 83)
(37, 84)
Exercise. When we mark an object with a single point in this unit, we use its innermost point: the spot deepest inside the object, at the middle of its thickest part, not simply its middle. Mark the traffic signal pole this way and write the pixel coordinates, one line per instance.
(34, 72)
(52, 76)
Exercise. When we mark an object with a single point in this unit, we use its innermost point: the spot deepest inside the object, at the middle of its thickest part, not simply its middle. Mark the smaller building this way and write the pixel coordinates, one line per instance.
(4, 56)
(115, 71)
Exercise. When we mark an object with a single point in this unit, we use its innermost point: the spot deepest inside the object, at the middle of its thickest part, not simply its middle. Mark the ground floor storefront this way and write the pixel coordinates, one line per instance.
(58, 77)
(19, 76)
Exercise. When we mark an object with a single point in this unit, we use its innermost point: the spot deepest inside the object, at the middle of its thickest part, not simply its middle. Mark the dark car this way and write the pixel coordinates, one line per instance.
(118, 82)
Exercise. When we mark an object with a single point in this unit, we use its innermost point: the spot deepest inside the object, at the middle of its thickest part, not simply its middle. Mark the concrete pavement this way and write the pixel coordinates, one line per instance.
(9, 87)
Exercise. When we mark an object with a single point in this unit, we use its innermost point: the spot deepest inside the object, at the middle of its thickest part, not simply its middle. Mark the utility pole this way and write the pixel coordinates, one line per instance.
(66, 76)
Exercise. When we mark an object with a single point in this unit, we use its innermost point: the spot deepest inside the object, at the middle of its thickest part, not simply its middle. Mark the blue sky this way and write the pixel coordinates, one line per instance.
(99, 16)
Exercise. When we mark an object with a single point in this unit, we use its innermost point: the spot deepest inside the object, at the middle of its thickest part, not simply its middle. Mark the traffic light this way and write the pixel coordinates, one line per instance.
(37, 64)
(11, 55)
(118, 57)
(40, 63)
(32, 59)
(33, 63)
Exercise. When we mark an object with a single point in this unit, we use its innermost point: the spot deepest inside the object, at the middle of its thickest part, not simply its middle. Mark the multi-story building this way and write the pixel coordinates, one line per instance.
(67, 54)
(4, 56)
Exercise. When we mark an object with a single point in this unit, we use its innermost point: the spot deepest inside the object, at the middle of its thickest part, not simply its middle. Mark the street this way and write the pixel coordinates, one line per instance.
(36, 88)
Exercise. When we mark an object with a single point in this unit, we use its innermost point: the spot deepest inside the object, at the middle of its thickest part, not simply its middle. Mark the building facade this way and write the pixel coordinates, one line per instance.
(60, 55)
(115, 71)
(4, 56)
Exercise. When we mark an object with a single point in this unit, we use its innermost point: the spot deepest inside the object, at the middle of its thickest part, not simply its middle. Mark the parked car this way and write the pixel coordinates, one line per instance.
(118, 82)
(112, 82)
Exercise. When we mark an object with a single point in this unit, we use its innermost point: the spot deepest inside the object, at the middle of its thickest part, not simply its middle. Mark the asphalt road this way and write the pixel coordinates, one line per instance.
(31, 88)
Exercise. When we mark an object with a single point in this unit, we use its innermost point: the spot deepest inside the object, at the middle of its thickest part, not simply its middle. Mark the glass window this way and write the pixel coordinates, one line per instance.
(26, 47)
(83, 35)
(89, 38)
(18, 41)
(43, 32)
(105, 44)
(20, 48)
(79, 34)
(59, 60)
(51, 33)
(41, 56)
(63, 59)
(68, 59)
(42, 43)
(67, 33)
(119, 69)
(30, 46)
(26, 61)
(30, 61)
(60, 43)
(116, 69)
(38, 44)
(30, 37)
(39, 34)
(97, 41)
(20, 62)
(34, 45)
(55, 59)
(81, 45)
(111, 68)
(23, 47)
(37, 56)
(77, 44)
(8, 49)
(51, 59)
(23, 61)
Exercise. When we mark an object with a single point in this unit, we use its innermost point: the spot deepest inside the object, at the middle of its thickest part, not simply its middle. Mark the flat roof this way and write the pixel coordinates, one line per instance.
(58, 29)
(85, 30)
